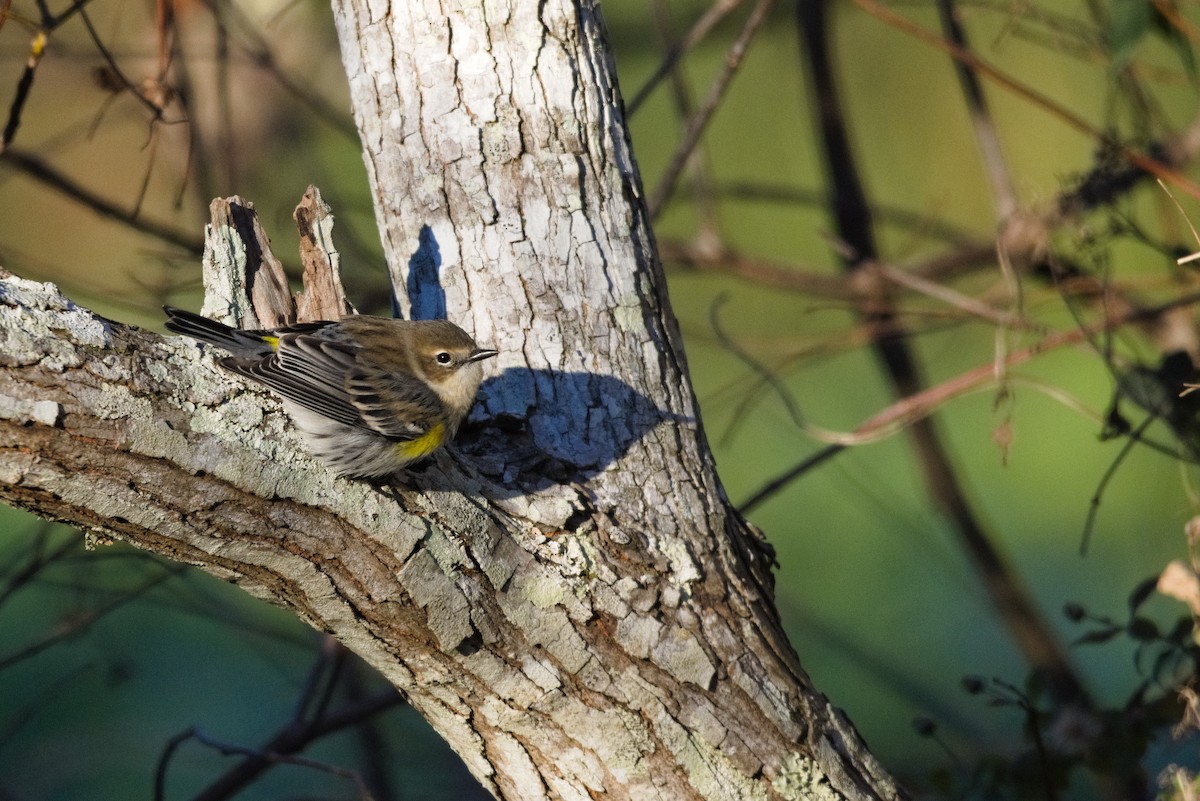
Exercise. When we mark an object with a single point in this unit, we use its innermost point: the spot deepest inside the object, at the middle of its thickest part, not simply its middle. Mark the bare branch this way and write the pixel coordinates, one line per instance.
(41, 171)
(699, 121)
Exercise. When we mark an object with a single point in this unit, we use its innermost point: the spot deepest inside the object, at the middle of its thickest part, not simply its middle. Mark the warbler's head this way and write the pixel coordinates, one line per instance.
(437, 351)
(441, 350)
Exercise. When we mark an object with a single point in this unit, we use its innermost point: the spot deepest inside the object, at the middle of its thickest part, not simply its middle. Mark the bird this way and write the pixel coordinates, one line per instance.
(369, 395)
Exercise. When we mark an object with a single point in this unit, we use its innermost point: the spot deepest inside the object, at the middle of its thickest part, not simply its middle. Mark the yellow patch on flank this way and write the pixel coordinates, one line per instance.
(272, 341)
(423, 445)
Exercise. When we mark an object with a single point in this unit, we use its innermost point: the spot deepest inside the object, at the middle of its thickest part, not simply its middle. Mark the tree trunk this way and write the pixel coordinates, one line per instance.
(567, 597)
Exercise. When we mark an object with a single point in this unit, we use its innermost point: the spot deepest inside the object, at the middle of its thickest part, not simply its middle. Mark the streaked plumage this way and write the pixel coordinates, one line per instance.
(369, 394)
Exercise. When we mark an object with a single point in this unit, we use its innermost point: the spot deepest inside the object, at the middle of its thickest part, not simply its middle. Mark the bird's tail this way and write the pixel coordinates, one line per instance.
(239, 343)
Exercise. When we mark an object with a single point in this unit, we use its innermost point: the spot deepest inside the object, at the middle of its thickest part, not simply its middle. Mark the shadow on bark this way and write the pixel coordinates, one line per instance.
(578, 424)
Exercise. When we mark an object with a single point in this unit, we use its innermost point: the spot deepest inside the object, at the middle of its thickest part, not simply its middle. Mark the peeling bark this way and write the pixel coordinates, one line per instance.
(566, 595)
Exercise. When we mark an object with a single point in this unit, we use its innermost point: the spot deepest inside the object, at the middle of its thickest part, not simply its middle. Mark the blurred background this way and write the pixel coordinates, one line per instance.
(119, 671)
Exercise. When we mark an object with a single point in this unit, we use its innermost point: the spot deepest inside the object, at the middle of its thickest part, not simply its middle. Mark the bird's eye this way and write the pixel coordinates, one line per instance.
(443, 358)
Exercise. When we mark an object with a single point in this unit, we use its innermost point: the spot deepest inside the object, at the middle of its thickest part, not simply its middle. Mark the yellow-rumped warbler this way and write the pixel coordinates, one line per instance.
(370, 395)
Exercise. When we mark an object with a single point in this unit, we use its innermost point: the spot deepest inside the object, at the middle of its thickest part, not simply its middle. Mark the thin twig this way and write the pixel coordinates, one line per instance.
(1138, 159)
(233, 749)
(968, 305)
(1094, 505)
(292, 739)
(39, 170)
(155, 110)
(81, 623)
(809, 281)
(918, 222)
(995, 167)
(701, 185)
(224, 135)
(924, 402)
(1181, 23)
(764, 373)
(310, 721)
(37, 49)
(256, 47)
(986, 136)
(787, 477)
(907, 411)
(715, 13)
(699, 121)
(38, 560)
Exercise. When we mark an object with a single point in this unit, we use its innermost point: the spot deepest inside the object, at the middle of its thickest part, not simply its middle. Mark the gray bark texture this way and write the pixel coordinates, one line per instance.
(566, 595)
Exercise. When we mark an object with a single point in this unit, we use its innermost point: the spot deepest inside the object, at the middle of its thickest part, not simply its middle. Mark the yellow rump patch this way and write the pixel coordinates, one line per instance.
(423, 445)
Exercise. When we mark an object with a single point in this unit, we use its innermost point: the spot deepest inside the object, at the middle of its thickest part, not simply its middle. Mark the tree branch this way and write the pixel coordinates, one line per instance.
(516, 622)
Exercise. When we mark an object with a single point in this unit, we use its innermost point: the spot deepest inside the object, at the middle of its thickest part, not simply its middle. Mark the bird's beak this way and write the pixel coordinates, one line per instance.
(479, 354)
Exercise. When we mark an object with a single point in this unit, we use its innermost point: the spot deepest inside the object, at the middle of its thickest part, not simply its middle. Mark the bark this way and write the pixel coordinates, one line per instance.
(566, 596)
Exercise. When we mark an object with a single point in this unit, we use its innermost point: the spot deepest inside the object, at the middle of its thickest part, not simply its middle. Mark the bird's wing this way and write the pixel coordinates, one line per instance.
(396, 405)
(309, 371)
